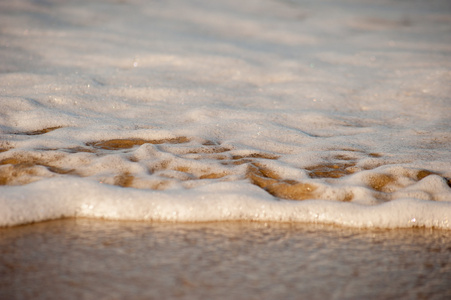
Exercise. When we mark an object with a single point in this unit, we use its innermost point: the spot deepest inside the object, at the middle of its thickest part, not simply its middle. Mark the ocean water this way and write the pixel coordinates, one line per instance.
(98, 259)
(334, 112)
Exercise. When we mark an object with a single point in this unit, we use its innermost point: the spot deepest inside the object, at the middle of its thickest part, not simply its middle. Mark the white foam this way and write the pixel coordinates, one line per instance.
(56, 198)
(289, 87)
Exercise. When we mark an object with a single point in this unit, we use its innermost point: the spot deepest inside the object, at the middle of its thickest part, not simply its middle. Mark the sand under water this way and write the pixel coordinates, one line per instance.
(99, 259)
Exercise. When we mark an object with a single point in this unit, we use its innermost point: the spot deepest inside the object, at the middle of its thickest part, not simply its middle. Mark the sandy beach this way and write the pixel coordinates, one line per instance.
(190, 149)
(97, 259)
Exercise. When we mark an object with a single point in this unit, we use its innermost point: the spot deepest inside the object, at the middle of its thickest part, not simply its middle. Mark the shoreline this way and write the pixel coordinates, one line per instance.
(319, 224)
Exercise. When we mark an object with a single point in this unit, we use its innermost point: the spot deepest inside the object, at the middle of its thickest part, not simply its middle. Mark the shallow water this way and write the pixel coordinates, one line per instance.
(296, 111)
(82, 258)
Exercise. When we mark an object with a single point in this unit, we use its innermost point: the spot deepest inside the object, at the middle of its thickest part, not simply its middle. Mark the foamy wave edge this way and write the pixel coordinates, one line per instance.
(227, 201)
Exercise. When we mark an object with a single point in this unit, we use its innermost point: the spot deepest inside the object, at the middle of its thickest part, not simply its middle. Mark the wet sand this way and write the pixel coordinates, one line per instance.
(98, 259)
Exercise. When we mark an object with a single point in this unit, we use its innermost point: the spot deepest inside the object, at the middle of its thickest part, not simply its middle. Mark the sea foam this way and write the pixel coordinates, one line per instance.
(56, 198)
(185, 111)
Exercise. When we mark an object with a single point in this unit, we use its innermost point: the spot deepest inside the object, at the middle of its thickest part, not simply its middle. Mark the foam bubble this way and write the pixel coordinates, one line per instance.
(56, 198)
